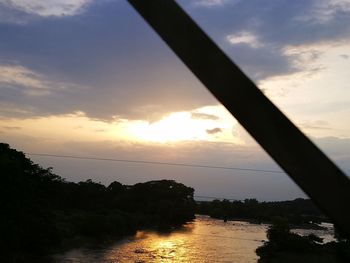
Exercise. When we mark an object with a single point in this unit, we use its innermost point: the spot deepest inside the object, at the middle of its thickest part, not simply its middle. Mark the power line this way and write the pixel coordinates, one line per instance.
(154, 162)
(306, 164)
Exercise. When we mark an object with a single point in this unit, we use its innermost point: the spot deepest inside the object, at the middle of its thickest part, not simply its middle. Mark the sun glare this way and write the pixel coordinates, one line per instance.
(210, 124)
(177, 126)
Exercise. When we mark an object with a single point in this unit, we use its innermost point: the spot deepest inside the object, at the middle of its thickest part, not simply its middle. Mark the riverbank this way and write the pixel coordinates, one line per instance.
(300, 213)
(42, 212)
(286, 246)
(305, 226)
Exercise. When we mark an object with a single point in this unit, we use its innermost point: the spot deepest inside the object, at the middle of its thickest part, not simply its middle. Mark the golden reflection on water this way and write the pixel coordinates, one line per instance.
(154, 247)
(205, 240)
(169, 250)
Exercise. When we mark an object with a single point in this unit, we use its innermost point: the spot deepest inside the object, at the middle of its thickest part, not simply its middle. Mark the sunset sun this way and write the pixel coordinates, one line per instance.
(212, 123)
(174, 127)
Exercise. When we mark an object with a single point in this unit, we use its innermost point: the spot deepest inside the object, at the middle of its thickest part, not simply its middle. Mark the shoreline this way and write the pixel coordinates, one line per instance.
(308, 226)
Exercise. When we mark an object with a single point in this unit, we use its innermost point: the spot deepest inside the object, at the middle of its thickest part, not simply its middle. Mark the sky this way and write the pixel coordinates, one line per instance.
(91, 78)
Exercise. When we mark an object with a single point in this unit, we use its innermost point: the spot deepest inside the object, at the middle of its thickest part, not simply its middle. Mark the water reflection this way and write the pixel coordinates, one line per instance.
(155, 247)
(204, 240)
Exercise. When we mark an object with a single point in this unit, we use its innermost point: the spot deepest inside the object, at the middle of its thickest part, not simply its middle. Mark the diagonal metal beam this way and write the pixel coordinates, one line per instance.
(315, 174)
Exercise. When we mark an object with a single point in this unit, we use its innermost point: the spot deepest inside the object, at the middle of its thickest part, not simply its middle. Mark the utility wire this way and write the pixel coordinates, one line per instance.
(154, 162)
(306, 164)
(160, 163)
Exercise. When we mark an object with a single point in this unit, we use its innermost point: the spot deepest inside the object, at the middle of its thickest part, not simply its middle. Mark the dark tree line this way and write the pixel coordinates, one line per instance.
(283, 246)
(299, 212)
(40, 211)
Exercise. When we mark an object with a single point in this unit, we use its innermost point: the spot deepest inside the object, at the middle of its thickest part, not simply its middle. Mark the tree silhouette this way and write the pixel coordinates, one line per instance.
(40, 211)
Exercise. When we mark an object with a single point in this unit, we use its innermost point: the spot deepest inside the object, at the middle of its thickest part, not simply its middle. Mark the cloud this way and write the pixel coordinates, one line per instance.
(316, 125)
(84, 64)
(211, 3)
(255, 34)
(11, 127)
(301, 55)
(214, 131)
(47, 8)
(325, 10)
(205, 116)
(109, 73)
(27, 93)
(344, 56)
(244, 37)
(206, 181)
(22, 78)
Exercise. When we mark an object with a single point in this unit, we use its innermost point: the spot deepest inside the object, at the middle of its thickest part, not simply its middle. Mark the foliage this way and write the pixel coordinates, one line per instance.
(41, 211)
(284, 246)
(299, 212)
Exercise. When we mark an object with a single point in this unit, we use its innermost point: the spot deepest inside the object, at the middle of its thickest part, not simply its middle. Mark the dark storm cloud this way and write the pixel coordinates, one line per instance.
(108, 63)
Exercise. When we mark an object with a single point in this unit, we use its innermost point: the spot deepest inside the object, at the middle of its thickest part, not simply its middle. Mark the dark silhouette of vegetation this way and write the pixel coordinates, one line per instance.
(284, 246)
(40, 211)
(300, 212)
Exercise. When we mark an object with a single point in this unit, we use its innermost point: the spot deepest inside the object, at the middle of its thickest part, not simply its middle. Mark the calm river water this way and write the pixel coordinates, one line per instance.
(204, 240)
